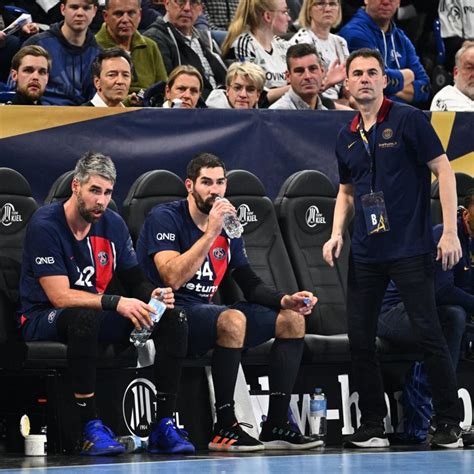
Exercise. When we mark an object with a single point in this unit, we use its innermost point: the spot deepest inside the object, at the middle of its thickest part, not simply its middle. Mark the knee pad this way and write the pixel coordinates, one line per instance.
(171, 334)
(84, 324)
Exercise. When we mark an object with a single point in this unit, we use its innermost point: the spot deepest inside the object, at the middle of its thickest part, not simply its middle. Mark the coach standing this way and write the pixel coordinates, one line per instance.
(385, 157)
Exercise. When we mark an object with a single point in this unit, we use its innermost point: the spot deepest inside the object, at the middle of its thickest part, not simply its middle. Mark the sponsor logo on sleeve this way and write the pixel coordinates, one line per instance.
(44, 260)
(166, 236)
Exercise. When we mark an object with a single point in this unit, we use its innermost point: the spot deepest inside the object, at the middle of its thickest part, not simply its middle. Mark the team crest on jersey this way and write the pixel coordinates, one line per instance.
(219, 253)
(387, 133)
(103, 258)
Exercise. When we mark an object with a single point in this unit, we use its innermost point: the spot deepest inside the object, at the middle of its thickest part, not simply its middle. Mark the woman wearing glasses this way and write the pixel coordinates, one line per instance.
(252, 37)
(317, 17)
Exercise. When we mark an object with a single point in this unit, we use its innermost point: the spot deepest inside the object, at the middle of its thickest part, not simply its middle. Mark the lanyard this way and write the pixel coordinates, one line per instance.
(371, 153)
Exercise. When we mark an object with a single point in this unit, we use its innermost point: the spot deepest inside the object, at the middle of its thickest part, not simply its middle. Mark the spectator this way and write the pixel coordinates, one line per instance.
(75, 256)
(181, 43)
(253, 37)
(317, 18)
(72, 48)
(457, 25)
(121, 20)
(183, 89)
(112, 75)
(184, 244)
(30, 71)
(305, 76)
(244, 86)
(373, 27)
(219, 13)
(386, 155)
(460, 97)
(10, 44)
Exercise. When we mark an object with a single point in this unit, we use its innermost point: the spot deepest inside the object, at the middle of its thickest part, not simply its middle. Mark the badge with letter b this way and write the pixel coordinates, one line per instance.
(375, 213)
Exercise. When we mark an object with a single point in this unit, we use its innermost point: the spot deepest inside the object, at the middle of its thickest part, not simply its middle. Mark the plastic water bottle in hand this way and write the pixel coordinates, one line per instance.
(232, 226)
(318, 413)
(138, 337)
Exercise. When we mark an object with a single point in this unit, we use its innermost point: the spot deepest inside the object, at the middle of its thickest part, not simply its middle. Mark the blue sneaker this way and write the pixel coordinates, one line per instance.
(167, 438)
(99, 440)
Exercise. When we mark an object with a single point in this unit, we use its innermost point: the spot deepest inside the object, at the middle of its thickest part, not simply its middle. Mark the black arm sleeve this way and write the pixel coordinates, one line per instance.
(255, 290)
(135, 283)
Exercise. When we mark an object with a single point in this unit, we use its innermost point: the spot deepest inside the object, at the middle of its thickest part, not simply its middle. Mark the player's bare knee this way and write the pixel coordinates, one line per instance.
(231, 326)
(290, 324)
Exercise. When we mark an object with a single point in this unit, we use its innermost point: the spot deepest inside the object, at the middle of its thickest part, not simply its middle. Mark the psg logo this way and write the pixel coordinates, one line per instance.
(219, 253)
(103, 257)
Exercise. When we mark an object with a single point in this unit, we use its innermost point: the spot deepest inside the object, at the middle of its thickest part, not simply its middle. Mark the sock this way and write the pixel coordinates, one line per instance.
(87, 409)
(225, 366)
(165, 406)
(285, 359)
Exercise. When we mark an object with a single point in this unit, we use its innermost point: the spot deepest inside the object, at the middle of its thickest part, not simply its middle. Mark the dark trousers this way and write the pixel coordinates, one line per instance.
(395, 326)
(413, 277)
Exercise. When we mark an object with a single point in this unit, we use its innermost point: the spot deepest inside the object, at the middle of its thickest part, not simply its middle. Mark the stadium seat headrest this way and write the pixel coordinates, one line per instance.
(307, 183)
(161, 182)
(463, 183)
(13, 183)
(242, 182)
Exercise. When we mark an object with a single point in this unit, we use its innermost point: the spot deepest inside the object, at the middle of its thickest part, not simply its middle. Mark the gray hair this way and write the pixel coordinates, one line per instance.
(465, 46)
(95, 164)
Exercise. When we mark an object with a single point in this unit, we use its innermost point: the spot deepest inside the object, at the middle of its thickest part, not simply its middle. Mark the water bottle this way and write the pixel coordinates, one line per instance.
(317, 413)
(232, 225)
(132, 443)
(138, 337)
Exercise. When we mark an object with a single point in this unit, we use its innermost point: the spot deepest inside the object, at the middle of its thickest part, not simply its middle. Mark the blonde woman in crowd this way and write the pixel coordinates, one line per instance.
(252, 37)
(317, 17)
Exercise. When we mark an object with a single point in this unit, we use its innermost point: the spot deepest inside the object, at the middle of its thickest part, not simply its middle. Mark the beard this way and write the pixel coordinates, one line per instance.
(87, 214)
(204, 206)
(30, 94)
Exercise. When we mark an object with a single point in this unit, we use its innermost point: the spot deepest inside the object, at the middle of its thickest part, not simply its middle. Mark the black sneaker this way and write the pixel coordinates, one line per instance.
(286, 437)
(447, 436)
(367, 436)
(234, 438)
(468, 436)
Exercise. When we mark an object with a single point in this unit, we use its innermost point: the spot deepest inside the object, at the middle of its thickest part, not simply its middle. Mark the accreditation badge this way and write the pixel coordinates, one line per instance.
(375, 213)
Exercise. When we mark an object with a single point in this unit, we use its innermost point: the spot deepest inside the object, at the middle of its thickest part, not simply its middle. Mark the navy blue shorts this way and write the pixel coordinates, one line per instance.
(202, 322)
(42, 326)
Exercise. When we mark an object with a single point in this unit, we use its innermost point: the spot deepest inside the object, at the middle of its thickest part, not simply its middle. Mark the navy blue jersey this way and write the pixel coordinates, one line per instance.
(403, 142)
(170, 227)
(50, 248)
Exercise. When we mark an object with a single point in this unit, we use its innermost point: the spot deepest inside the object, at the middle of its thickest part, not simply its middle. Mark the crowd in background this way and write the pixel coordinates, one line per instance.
(209, 35)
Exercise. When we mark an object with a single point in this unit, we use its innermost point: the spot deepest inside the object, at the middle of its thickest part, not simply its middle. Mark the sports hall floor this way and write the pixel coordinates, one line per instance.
(406, 460)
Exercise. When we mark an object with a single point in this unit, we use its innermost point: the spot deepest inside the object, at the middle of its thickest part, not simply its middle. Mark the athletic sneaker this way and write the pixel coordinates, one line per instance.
(98, 440)
(167, 438)
(468, 436)
(447, 436)
(287, 437)
(234, 438)
(367, 436)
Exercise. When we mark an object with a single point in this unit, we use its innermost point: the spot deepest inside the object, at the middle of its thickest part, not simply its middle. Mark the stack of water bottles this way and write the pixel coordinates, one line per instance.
(318, 414)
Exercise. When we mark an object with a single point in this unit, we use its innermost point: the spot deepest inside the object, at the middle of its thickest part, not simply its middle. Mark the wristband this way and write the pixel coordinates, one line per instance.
(109, 302)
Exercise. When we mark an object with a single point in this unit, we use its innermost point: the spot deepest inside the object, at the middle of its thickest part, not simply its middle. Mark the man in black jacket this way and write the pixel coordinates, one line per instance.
(182, 44)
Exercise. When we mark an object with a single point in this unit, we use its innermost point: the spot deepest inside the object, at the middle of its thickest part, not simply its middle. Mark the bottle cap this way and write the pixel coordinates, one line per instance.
(318, 390)
(25, 426)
